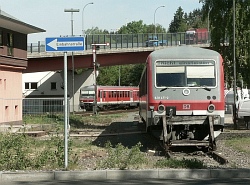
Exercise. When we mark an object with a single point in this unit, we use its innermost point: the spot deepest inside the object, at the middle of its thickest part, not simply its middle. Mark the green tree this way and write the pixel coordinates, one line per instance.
(108, 75)
(95, 30)
(129, 75)
(135, 27)
(178, 24)
(183, 21)
(221, 29)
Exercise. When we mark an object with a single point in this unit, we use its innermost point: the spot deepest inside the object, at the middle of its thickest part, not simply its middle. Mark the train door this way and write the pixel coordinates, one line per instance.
(101, 95)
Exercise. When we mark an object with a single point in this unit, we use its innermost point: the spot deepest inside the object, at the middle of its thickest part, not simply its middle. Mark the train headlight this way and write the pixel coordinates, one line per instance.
(211, 108)
(161, 108)
(186, 92)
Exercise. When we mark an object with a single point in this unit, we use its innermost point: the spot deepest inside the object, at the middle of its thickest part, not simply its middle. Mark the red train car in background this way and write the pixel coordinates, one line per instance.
(109, 97)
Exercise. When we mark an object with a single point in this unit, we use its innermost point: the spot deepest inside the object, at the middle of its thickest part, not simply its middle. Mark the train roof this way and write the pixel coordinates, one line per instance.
(184, 52)
(110, 87)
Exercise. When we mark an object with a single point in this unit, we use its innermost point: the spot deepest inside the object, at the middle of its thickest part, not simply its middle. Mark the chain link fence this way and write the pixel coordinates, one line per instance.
(43, 110)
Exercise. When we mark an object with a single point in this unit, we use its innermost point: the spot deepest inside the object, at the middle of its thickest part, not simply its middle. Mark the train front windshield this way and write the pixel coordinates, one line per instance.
(185, 73)
(87, 93)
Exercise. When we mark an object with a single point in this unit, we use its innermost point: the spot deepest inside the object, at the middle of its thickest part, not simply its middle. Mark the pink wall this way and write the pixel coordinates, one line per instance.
(10, 95)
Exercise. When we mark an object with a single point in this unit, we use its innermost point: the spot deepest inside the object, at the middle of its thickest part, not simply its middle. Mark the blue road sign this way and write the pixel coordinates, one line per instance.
(63, 44)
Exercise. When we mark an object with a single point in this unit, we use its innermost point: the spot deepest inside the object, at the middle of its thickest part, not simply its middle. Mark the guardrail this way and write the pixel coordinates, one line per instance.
(119, 41)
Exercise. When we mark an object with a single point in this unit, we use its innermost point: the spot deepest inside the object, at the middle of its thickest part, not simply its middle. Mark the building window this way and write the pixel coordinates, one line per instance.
(10, 44)
(53, 86)
(31, 85)
(16, 109)
(5, 84)
(27, 85)
(6, 113)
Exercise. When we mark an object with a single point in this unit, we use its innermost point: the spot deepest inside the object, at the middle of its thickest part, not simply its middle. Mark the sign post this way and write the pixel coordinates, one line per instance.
(64, 44)
(66, 116)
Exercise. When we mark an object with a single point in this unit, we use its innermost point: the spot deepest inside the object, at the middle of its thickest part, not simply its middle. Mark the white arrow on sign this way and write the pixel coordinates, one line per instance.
(55, 44)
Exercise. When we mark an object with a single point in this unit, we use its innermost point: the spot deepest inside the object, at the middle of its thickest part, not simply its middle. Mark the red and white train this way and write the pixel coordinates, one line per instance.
(182, 95)
(109, 97)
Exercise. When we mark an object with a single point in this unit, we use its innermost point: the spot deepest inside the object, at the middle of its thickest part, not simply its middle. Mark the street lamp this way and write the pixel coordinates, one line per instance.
(208, 25)
(154, 16)
(83, 17)
(73, 65)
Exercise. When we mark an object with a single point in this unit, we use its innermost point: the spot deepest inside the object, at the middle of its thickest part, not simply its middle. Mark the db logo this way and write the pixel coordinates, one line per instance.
(186, 106)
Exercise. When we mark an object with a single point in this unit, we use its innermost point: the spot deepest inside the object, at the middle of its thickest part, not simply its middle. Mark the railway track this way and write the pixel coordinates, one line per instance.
(105, 112)
(173, 152)
(212, 154)
(218, 157)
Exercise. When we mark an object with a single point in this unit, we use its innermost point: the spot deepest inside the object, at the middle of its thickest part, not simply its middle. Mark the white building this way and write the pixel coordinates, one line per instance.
(50, 84)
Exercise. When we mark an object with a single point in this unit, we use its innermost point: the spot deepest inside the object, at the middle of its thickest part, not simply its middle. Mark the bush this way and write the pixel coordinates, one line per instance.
(121, 157)
(20, 152)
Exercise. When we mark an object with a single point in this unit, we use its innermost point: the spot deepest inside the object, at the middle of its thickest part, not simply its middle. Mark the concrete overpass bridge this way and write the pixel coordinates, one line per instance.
(123, 49)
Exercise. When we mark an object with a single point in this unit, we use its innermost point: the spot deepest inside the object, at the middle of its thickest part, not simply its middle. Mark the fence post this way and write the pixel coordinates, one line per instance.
(39, 47)
(110, 41)
(31, 47)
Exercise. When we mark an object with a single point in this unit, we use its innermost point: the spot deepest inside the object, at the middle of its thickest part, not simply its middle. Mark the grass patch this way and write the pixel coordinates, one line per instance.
(122, 158)
(240, 144)
(76, 121)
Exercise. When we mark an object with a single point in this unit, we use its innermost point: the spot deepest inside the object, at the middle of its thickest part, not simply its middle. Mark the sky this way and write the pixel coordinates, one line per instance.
(104, 14)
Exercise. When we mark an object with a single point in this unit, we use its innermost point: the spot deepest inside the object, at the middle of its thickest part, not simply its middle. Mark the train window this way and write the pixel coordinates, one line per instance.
(104, 94)
(126, 93)
(181, 76)
(87, 93)
(200, 76)
(170, 76)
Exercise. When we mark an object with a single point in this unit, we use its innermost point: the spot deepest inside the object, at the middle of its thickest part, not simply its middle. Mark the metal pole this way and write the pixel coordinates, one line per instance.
(208, 25)
(95, 86)
(119, 75)
(73, 67)
(95, 75)
(73, 64)
(234, 62)
(65, 113)
(154, 17)
(83, 33)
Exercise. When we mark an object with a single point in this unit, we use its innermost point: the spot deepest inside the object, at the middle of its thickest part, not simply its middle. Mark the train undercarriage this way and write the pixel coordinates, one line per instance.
(182, 131)
(89, 107)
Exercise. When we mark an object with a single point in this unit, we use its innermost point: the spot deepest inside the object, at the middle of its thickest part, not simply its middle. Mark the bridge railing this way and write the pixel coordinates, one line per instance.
(119, 41)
